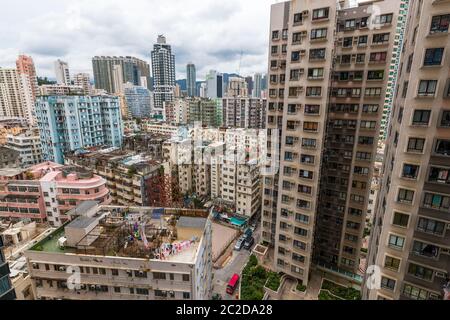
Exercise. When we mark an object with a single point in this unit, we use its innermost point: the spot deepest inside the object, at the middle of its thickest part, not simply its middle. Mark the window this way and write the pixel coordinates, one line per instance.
(298, 18)
(295, 56)
(301, 232)
(440, 23)
(396, 242)
(400, 219)
(312, 109)
(420, 272)
(350, 24)
(375, 75)
(431, 226)
(301, 217)
(433, 57)
(315, 73)
(370, 108)
(439, 175)
(415, 293)
(320, 13)
(295, 75)
(309, 143)
(307, 159)
(437, 201)
(186, 277)
(297, 38)
(378, 57)
(384, 19)
(314, 91)
(317, 54)
(405, 196)
(445, 120)
(186, 295)
(368, 124)
(410, 171)
(317, 34)
(143, 292)
(421, 117)
(299, 245)
(380, 38)
(416, 145)
(362, 41)
(427, 88)
(443, 147)
(392, 263)
(274, 49)
(425, 250)
(387, 283)
(310, 126)
(373, 92)
(275, 35)
(159, 276)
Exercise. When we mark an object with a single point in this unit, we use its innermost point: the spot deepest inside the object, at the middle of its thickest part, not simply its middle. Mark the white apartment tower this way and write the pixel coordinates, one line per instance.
(62, 72)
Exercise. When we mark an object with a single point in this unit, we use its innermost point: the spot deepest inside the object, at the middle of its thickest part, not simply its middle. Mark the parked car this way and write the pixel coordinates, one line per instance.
(249, 243)
(239, 244)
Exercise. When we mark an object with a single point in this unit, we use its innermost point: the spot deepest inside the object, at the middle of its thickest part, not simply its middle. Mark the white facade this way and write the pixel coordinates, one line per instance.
(62, 72)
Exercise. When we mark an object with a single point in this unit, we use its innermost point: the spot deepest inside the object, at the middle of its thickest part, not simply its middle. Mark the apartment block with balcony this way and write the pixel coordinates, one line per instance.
(410, 242)
(28, 144)
(166, 257)
(47, 191)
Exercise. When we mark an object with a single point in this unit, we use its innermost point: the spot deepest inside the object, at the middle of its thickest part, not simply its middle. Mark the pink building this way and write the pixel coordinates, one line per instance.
(47, 191)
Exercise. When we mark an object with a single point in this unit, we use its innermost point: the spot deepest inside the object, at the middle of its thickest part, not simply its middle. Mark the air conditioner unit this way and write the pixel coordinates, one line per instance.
(62, 269)
(441, 274)
(305, 13)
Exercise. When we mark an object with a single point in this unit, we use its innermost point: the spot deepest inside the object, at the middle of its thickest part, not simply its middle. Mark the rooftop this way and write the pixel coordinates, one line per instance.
(145, 233)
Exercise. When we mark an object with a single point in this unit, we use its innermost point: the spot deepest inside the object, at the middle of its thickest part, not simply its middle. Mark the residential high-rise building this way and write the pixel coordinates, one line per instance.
(16, 99)
(83, 80)
(325, 117)
(250, 85)
(214, 85)
(244, 112)
(257, 85)
(6, 290)
(237, 87)
(109, 77)
(410, 241)
(51, 190)
(28, 144)
(25, 66)
(163, 71)
(191, 80)
(178, 266)
(93, 121)
(139, 101)
(62, 72)
(207, 111)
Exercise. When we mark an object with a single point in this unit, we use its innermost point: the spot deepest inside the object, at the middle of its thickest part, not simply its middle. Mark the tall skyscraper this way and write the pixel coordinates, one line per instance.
(6, 290)
(25, 66)
(314, 208)
(163, 71)
(132, 70)
(214, 85)
(191, 80)
(93, 121)
(410, 241)
(62, 72)
(257, 85)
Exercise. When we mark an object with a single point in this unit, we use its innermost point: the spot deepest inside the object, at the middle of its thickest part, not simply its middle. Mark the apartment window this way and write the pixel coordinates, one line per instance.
(295, 56)
(416, 145)
(159, 276)
(433, 57)
(314, 91)
(375, 75)
(443, 147)
(440, 23)
(362, 41)
(298, 18)
(410, 62)
(405, 196)
(431, 226)
(400, 219)
(186, 295)
(361, 170)
(421, 117)
(436, 201)
(274, 49)
(387, 283)
(427, 88)
(378, 57)
(312, 109)
(315, 73)
(320, 13)
(301, 232)
(186, 277)
(299, 245)
(405, 89)
(353, 225)
(350, 24)
(317, 34)
(392, 263)
(307, 159)
(415, 293)
(368, 125)
(439, 175)
(363, 156)
(317, 54)
(380, 38)
(384, 19)
(425, 250)
(295, 75)
(396, 242)
(274, 64)
(365, 140)
(310, 126)
(373, 92)
(445, 120)
(347, 42)
(420, 272)
(370, 108)
(275, 35)
(302, 218)
(351, 238)
(410, 171)
(306, 174)
(297, 38)
(309, 143)
(298, 258)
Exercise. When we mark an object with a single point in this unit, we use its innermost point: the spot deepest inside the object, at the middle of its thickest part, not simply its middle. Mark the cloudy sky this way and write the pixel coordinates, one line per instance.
(209, 33)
